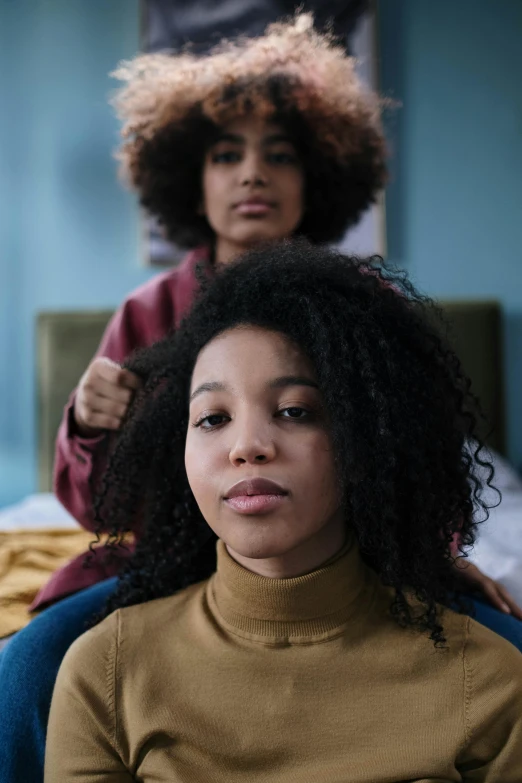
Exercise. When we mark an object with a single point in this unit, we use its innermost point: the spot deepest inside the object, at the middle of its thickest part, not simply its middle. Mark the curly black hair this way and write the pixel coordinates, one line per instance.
(401, 411)
(167, 170)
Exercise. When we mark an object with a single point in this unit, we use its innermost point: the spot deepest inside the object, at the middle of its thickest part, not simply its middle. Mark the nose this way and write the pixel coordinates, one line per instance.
(252, 445)
(253, 171)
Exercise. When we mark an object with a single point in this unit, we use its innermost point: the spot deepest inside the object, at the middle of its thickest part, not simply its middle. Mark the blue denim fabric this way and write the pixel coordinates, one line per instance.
(503, 624)
(30, 662)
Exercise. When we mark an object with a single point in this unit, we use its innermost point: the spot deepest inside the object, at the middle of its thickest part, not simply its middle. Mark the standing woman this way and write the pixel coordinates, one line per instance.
(258, 141)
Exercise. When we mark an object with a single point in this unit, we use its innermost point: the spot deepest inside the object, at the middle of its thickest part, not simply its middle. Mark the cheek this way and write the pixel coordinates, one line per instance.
(196, 467)
(204, 467)
(215, 184)
(315, 464)
(323, 478)
(294, 191)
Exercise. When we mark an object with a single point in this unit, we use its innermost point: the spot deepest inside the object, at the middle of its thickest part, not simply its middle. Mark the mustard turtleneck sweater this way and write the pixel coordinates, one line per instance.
(307, 680)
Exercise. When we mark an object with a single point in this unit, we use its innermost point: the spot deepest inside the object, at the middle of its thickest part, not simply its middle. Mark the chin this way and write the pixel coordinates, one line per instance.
(258, 545)
(261, 233)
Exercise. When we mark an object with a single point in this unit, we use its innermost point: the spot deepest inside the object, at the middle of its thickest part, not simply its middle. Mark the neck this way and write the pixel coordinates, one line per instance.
(297, 609)
(303, 559)
(226, 252)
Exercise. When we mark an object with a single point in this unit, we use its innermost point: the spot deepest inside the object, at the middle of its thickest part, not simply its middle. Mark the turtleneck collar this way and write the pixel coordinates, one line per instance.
(301, 609)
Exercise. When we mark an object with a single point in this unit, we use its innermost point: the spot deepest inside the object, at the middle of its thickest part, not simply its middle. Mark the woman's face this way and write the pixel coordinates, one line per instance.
(258, 453)
(253, 186)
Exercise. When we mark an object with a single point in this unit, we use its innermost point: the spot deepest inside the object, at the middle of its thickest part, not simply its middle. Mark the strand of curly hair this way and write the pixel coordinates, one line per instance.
(403, 420)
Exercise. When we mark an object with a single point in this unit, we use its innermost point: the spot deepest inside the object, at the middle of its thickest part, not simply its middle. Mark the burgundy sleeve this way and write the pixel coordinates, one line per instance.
(146, 316)
(77, 459)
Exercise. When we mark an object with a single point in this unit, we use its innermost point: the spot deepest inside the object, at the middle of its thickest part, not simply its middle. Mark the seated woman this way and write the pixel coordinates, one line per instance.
(309, 425)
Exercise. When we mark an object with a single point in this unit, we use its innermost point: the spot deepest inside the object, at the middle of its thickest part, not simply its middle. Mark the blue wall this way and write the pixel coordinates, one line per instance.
(69, 233)
(455, 205)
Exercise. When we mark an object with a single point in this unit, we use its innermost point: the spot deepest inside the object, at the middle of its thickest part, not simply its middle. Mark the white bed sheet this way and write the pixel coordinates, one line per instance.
(498, 551)
(41, 510)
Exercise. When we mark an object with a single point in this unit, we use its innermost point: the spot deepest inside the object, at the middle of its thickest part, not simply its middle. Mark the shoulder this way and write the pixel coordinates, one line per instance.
(485, 655)
(92, 657)
(160, 286)
(159, 304)
(151, 616)
(166, 283)
(101, 652)
(145, 316)
(492, 702)
(491, 661)
(165, 625)
(154, 309)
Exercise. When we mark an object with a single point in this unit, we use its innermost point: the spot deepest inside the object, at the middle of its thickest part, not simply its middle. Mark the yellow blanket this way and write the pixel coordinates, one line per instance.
(27, 560)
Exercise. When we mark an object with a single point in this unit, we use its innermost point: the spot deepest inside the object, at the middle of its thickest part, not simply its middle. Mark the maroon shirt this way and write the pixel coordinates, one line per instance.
(146, 316)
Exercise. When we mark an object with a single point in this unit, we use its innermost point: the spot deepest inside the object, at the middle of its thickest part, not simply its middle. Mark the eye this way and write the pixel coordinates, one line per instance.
(228, 156)
(282, 158)
(211, 422)
(294, 412)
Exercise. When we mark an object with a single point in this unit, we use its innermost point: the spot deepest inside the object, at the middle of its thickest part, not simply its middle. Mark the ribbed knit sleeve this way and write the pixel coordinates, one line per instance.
(82, 741)
(492, 708)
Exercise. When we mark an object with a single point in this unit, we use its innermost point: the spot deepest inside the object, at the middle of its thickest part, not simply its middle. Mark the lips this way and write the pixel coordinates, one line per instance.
(254, 206)
(255, 486)
(256, 496)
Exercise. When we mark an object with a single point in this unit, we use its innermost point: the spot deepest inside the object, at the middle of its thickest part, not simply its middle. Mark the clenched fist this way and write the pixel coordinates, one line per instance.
(103, 397)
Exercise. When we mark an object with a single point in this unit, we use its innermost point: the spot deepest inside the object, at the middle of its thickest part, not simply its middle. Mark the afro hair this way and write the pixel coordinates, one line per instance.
(173, 105)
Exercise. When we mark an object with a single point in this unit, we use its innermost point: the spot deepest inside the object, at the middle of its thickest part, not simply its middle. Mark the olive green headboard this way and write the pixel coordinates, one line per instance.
(478, 340)
(67, 341)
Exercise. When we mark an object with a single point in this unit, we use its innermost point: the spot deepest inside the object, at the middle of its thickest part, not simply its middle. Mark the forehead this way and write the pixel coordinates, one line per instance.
(250, 126)
(250, 356)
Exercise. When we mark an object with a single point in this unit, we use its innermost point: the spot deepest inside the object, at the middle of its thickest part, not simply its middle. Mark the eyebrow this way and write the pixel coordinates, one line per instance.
(207, 387)
(233, 138)
(277, 383)
(292, 380)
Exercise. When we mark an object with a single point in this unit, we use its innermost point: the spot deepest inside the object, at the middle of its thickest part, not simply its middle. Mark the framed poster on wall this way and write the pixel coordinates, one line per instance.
(168, 26)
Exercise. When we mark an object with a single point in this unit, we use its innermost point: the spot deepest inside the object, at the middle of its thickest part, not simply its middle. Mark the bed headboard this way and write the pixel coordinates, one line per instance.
(476, 329)
(68, 340)
(66, 343)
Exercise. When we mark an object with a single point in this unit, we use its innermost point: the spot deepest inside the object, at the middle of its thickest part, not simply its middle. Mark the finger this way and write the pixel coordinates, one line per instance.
(101, 421)
(508, 599)
(99, 387)
(129, 380)
(491, 591)
(119, 376)
(465, 566)
(91, 403)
